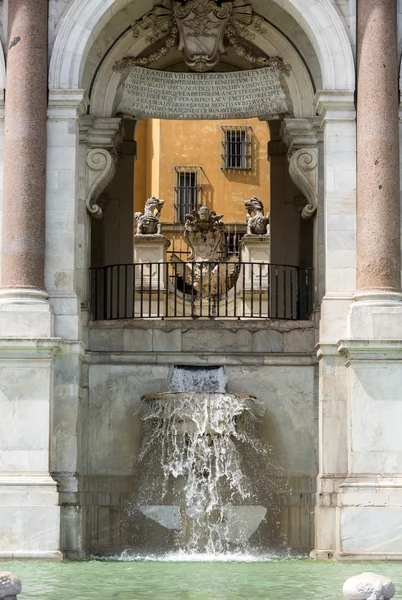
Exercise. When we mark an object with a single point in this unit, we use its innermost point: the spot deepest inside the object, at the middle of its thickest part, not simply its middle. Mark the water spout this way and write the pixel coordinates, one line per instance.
(196, 436)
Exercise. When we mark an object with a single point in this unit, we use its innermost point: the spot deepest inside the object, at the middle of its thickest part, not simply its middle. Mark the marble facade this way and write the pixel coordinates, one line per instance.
(334, 382)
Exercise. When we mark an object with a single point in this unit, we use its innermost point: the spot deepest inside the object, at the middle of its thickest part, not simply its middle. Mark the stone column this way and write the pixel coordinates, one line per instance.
(25, 152)
(369, 500)
(378, 213)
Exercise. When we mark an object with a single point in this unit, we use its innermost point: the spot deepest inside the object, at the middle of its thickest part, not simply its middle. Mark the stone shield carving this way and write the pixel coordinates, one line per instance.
(202, 25)
(200, 28)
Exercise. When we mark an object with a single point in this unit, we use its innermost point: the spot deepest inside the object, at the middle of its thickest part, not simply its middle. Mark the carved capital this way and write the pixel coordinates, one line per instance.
(303, 171)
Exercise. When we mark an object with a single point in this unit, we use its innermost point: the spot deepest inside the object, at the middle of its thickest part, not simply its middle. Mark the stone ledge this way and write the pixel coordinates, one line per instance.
(201, 359)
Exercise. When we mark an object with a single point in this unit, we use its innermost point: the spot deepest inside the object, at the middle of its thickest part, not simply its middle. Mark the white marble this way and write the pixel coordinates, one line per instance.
(368, 586)
(371, 530)
(320, 21)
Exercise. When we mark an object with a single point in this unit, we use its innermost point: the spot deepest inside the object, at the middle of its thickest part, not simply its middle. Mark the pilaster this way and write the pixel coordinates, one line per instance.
(63, 211)
(337, 264)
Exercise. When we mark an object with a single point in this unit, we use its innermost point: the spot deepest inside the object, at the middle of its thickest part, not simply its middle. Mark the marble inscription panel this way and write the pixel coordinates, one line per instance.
(147, 93)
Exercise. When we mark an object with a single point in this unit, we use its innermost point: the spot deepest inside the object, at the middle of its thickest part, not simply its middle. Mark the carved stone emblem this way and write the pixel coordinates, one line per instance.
(148, 223)
(257, 223)
(204, 234)
(200, 29)
(202, 25)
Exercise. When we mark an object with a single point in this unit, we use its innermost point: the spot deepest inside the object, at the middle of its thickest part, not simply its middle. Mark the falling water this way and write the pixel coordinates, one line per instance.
(198, 433)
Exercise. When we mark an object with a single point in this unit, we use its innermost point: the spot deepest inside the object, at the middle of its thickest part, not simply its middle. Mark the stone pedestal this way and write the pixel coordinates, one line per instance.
(149, 250)
(255, 281)
(30, 515)
(151, 276)
(256, 249)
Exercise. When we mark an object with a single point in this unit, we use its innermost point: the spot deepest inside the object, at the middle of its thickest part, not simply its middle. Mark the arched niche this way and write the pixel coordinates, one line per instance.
(2, 71)
(271, 42)
(315, 24)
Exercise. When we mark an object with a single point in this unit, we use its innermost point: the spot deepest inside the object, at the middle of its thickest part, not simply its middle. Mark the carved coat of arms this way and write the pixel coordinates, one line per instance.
(201, 29)
(202, 25)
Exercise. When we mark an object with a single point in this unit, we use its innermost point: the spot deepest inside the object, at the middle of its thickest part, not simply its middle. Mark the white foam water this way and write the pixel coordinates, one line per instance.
(228, 557)
(191, 379)
(199, 436)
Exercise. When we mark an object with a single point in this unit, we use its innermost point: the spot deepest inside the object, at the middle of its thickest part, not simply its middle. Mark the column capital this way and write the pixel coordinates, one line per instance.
(101, 132)
(300, 133)
(335, 105)
(66, 104)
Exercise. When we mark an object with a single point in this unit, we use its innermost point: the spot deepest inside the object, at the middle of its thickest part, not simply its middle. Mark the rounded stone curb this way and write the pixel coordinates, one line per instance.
(368, 586)
(10, 585)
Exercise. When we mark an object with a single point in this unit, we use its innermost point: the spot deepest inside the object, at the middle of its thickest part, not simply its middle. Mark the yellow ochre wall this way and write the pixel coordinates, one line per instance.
(162, 145)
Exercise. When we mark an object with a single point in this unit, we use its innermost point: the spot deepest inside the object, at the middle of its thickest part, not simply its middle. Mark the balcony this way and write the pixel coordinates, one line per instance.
(201, 290)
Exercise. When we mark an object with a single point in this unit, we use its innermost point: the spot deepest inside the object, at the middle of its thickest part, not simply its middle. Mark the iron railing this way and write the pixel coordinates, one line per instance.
(190, 290)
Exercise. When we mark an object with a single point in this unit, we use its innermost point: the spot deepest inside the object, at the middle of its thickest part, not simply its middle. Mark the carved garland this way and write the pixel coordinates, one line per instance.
(303, 171)
(170, 20)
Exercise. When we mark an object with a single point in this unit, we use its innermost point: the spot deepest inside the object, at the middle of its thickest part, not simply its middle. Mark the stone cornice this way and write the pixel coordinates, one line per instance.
(369, 350)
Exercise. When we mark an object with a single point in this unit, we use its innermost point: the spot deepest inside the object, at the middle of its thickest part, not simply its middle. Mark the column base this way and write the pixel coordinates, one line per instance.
(29, 516)
(370, 518)
(375, 315)
(363, 521)
(25, 313)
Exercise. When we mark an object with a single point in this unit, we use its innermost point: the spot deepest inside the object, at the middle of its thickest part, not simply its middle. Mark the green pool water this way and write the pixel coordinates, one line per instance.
(176, 579)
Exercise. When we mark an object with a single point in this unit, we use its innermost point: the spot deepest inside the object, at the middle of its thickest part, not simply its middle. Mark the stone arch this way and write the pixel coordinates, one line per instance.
(105, 83)
(2, 69)
(85, 19)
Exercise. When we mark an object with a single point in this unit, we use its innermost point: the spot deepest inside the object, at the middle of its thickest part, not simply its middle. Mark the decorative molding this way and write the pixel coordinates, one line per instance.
(103, 138)
(303, 172)
(301, 137)
(66, 104)
(101, 169)
(198, 29)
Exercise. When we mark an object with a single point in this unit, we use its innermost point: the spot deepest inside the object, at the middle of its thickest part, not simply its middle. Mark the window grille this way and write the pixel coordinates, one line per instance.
(236, 147)
(188, 190)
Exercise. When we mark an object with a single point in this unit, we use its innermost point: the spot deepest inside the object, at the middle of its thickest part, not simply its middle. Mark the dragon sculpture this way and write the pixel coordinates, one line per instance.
(257, 223)
(148, 223)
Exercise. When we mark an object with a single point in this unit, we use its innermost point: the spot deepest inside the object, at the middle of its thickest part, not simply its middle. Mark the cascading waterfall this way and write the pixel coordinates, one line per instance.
(196, 436)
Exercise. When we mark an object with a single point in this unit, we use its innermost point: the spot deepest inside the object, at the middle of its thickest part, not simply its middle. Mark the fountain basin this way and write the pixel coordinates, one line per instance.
(204, 412)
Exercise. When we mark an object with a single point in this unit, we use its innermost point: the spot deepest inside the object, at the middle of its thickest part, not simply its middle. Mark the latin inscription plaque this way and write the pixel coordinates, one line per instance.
(146, 93)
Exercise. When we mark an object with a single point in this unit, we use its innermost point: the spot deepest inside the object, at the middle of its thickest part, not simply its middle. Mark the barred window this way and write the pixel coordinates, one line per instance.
(188, 190)
(237, 147)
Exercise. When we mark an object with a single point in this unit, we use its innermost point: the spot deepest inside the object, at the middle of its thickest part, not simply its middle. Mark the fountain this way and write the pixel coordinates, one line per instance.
(196, 439)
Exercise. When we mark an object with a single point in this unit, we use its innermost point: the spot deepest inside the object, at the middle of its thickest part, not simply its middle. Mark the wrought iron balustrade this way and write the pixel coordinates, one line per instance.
(189, 290)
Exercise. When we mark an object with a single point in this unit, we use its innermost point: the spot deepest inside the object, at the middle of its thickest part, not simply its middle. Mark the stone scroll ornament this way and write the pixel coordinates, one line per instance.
(303, 172)
(101, 169)
(148, 223)
(201, 29)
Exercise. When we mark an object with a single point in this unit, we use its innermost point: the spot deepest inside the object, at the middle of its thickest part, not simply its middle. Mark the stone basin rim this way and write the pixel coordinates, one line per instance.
(195, 395)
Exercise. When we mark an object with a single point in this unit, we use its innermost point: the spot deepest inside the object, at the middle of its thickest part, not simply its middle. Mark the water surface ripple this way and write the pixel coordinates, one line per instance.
(176, 579)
